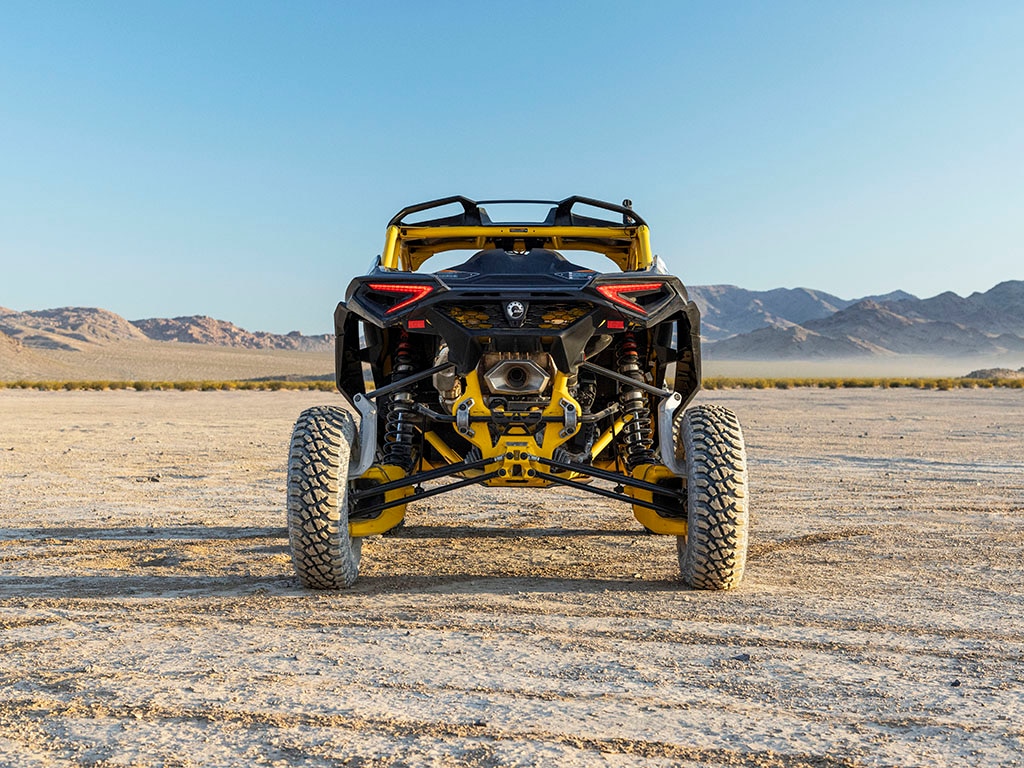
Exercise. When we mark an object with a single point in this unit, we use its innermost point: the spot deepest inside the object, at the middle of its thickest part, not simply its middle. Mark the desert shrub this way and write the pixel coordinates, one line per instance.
(711, 383)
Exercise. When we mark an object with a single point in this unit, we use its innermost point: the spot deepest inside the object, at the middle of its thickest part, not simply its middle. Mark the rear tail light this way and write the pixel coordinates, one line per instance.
(622, 294)
(405, 293)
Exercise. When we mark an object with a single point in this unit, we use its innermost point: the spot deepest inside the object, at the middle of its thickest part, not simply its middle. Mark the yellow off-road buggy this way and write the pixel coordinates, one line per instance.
(517, 368)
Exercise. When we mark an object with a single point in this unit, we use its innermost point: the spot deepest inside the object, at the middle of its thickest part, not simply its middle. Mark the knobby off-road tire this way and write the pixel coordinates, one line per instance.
(713, 553)
(324, 554)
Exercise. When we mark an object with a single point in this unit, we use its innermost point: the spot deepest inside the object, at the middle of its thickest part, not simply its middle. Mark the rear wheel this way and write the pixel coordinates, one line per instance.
(324, 554)
(713, 554)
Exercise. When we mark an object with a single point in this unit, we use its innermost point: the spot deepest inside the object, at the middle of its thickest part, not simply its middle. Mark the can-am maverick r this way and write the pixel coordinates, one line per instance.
(518, 368)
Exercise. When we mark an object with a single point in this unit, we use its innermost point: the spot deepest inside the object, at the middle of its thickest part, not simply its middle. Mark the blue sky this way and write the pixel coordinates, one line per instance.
(241, 159)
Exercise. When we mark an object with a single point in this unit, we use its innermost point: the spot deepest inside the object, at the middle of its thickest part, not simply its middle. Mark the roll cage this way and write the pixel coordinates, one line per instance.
(409, 244)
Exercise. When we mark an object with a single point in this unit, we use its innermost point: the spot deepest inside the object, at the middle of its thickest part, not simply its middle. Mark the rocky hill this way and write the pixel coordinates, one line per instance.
(67, 327)
(70, 328)
(791, 342)
(996, 373)
(998, 310)
(727, 310)
(947, 325)
(199, 329)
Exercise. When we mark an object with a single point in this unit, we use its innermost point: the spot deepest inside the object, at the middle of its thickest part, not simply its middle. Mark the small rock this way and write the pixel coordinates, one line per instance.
(742, 657)
(955, 684)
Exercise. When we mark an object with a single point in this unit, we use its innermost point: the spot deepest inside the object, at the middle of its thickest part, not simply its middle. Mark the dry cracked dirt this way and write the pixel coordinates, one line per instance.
(149, 615)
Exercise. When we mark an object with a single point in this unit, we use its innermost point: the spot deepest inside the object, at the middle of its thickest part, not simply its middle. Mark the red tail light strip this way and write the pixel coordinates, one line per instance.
(614, 292)
(414, 292)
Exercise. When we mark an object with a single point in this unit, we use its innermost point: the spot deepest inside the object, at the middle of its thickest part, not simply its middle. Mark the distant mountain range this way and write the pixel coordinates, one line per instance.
(726, 310)
(68, 328)
(806, 325)
(737, 324)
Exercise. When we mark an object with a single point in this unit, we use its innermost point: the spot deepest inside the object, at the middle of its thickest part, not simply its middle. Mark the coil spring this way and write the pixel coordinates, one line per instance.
(637, 432)
(399, 431)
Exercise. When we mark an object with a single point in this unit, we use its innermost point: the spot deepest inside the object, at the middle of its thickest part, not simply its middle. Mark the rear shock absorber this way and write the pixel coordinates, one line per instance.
(399, 430)
(637, 431)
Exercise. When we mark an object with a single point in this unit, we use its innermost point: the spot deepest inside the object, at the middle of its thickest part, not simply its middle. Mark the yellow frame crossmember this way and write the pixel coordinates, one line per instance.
(406, 248)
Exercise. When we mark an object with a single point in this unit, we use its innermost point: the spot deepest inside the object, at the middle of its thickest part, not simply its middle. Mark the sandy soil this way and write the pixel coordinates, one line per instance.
(149, 615)
(158, 360)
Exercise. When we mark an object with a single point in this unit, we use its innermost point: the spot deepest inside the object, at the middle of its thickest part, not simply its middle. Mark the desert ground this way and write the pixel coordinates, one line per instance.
(160, 361)
(149, 615)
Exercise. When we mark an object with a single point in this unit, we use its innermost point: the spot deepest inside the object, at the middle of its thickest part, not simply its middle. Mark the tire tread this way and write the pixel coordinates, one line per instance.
(323, 553)
(713, 554)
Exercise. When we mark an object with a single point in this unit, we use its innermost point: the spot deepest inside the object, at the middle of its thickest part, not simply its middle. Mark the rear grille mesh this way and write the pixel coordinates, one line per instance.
(555, 315)
(540, 315)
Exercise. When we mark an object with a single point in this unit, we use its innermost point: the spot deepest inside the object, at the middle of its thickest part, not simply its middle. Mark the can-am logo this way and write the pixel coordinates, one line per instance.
(515, 311)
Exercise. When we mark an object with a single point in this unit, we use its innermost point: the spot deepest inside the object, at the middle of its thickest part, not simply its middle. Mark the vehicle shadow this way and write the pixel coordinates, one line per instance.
(130, 585)
(492, 532)
(242, 561)
(139, 533)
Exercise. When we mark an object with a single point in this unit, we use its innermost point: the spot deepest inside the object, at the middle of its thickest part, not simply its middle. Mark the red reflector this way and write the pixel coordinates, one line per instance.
(615, 292)
(412, 291)
(414, 324)
(615, 325)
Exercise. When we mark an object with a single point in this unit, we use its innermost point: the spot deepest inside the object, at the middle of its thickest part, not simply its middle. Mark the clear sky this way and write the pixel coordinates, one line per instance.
(240, 159)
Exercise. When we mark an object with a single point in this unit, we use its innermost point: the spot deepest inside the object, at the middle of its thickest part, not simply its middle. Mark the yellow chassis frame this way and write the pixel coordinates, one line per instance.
(406, 248)
(513, 454)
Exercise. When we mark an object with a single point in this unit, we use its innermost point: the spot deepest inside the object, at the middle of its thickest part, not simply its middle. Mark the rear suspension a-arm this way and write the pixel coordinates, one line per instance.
(662, 510)
(620, 480)
(422, 477)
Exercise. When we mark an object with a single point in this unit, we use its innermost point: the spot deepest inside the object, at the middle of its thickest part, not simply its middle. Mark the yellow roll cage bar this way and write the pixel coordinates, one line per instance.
(408, 246)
